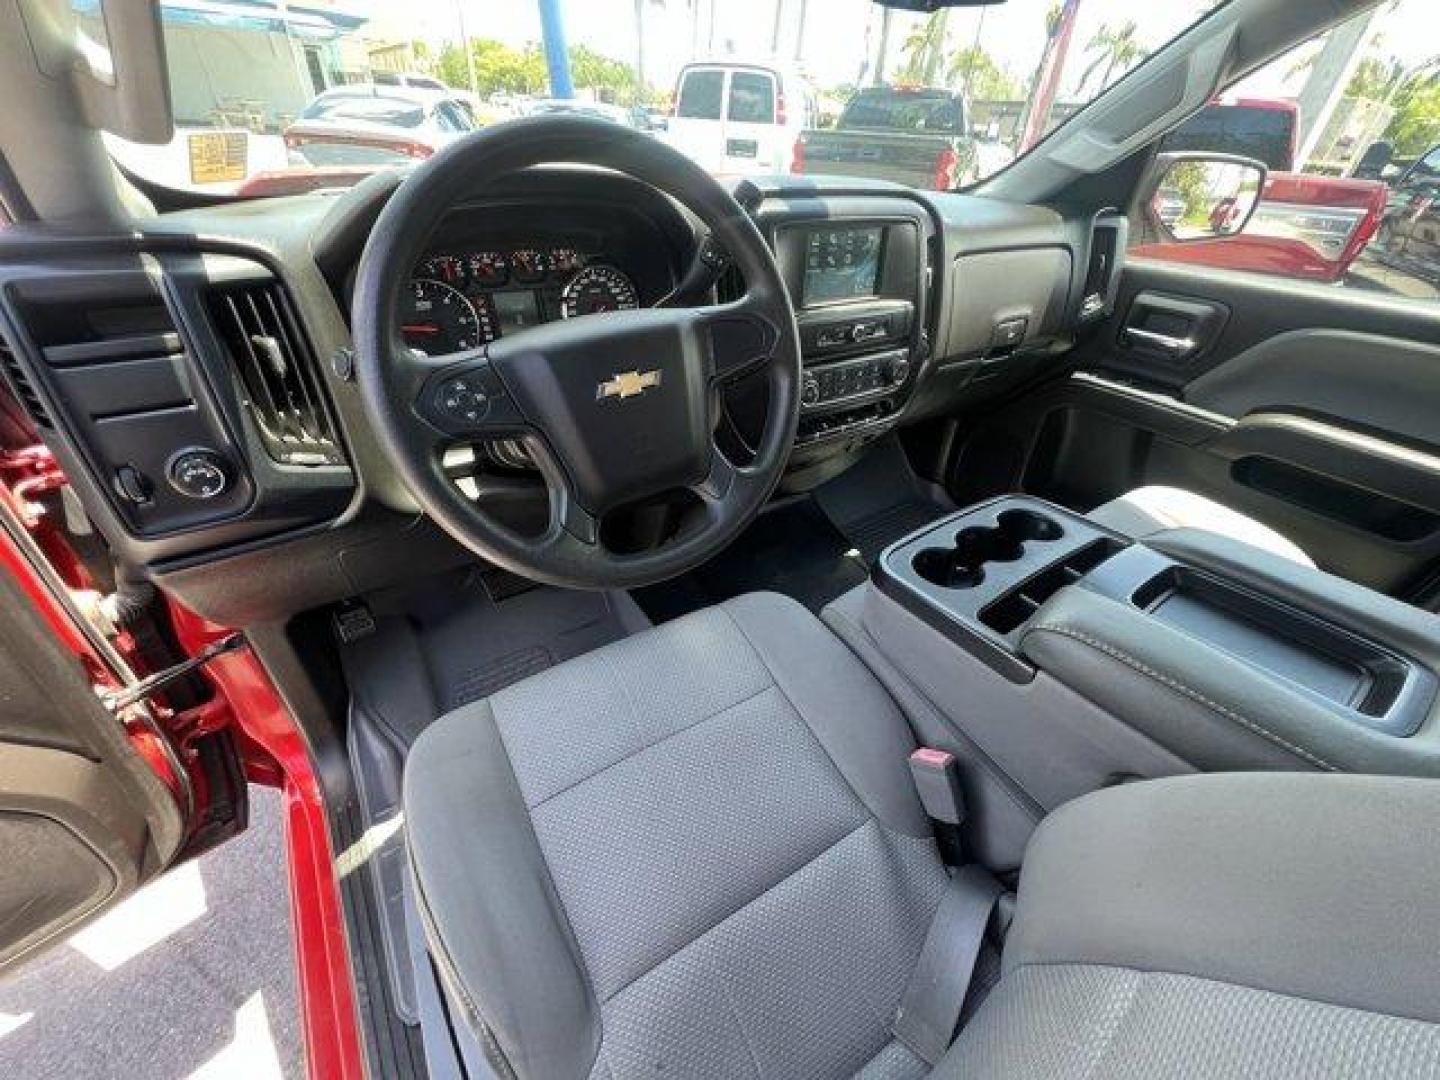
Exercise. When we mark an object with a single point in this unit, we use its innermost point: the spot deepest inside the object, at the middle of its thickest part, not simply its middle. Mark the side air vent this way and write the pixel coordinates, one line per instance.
(273, 361)
(22, 389)
(1102, 270)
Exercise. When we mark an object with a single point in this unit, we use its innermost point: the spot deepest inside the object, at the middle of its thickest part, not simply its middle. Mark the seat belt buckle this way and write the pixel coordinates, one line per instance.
(937, 780)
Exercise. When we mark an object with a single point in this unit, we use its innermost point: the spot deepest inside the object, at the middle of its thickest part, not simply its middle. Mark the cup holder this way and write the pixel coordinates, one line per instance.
(963, 566)
(1023, 525)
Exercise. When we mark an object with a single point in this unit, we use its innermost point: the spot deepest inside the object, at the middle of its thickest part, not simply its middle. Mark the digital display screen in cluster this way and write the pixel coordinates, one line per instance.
(841, 264)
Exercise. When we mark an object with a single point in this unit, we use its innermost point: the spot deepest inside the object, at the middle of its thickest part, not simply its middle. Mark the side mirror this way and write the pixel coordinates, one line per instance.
(1199, 196)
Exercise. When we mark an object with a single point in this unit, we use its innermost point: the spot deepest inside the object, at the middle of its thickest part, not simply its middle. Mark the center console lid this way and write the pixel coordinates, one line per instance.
(1208, 644)
(1225, 655)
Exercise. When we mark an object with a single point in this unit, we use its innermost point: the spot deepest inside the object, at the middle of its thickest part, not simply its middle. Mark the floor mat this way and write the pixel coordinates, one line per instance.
(449, 642)
(874, 533)
(879, 500)
(792, 550)
(459, 639)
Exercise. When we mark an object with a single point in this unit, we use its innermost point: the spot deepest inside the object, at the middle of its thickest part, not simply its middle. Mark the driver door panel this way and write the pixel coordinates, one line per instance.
(83, 819)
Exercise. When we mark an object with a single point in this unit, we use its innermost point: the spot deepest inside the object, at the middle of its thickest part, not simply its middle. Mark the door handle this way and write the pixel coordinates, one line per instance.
(1175, 346)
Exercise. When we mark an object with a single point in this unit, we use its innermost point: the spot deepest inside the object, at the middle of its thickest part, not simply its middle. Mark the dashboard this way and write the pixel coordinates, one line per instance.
(192, 377)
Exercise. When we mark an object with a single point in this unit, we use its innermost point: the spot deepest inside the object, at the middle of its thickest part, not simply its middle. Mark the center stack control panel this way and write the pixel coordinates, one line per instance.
(858, 282)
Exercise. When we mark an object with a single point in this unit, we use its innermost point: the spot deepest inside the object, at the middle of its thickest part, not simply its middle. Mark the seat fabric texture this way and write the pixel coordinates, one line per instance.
(694, 852)
(1226, 925)
(697, 852)
(1155, 508)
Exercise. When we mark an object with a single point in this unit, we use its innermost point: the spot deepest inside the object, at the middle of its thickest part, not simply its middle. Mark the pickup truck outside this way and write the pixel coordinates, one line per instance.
(1306, 226)
(918, 136)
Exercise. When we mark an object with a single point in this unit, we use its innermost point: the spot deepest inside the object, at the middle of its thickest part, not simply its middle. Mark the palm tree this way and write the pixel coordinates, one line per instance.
(1114, 47)
(924, 49)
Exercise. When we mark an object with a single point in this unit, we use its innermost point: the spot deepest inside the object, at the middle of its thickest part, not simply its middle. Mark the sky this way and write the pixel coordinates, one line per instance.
(839, 34)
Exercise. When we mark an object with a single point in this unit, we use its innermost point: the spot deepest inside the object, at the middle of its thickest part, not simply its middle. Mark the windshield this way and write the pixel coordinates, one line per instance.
(272, 97)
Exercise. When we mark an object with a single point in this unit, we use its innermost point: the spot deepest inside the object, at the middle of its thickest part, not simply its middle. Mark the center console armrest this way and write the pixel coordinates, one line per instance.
(1237, 659)
(1363, 610)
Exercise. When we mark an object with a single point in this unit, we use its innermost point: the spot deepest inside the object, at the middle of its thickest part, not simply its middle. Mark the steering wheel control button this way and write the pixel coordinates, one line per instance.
(199, 474)
(463, 399)
(462, 402)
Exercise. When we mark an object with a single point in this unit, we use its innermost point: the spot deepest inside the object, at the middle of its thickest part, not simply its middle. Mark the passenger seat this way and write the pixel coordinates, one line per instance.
(1154, 508)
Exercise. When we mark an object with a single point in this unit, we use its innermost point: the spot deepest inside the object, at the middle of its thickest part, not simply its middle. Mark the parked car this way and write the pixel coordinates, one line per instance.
(1265, 129)
(419, 81)
(1408, 239)
(369, 124)
(738, 118)
(579, 107)
(917, 136)
(1169, 205)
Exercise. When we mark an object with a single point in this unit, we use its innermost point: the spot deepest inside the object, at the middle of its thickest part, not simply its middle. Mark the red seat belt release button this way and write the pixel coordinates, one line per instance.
(937, 781)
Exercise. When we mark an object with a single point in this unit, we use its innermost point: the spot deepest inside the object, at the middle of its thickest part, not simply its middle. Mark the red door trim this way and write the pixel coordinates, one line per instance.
(268, 736)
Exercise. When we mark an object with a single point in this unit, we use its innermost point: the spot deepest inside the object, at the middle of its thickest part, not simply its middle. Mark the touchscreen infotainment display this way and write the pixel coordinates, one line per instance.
(841, 264)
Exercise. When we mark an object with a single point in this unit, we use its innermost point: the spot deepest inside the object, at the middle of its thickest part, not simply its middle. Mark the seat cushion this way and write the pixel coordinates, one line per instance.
(696, 851)
(1222, 925)
(1084, 1022)
(1155, 508)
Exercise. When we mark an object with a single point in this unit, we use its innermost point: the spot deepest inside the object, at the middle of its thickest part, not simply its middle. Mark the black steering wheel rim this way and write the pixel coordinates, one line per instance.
(565, 389)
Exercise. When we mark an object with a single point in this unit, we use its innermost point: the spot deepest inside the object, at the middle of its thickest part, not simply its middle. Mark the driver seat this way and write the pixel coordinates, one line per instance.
(698, 852)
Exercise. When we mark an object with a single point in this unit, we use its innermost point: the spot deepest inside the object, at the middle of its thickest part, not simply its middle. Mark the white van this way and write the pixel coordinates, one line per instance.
(733, 117)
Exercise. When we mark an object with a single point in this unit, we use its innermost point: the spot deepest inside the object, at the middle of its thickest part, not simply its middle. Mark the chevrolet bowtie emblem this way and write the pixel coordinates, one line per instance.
(627, 384)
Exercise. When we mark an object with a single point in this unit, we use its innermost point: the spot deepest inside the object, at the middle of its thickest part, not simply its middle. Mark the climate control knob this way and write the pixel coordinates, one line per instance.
(199, 474)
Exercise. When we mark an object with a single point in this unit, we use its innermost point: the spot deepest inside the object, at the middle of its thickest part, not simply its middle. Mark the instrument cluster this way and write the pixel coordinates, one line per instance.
(461, 300)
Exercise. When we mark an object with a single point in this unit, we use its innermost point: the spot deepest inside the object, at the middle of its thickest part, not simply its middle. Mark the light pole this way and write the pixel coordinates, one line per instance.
(879, 79)
(465, 44)
(557, 54)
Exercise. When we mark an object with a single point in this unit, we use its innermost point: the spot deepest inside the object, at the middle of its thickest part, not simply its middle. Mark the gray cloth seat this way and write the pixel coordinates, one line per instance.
(694, 852)
(697, 852)
(1245, 924)
(1156, 508)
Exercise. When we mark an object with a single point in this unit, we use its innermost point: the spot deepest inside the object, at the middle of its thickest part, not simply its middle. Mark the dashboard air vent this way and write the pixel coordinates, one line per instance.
(21, 387)
(273, 362)
(1107, 249)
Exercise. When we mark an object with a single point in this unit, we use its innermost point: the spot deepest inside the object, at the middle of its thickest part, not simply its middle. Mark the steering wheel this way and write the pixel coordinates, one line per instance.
(613, 407)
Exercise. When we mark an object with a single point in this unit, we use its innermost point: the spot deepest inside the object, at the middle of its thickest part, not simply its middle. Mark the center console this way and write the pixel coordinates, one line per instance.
(1054, 657)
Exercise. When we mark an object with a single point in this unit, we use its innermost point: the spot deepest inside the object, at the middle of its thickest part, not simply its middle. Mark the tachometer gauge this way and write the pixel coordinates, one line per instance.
(598, 288)
(437, 319)
(487, 269)
(565, 259)
(529, 266)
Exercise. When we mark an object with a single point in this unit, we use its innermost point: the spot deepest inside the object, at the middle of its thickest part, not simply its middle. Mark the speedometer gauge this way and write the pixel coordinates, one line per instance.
(437, 319)
(598, 288)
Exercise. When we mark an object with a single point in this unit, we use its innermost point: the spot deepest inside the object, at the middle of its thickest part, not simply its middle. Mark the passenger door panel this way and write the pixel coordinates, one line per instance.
(1312, 408)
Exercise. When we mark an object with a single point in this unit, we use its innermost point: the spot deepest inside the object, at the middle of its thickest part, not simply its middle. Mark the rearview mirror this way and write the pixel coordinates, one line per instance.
(1205, 196)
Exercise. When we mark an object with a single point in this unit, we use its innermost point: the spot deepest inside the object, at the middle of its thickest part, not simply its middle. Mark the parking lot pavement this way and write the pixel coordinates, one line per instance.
(191, 976)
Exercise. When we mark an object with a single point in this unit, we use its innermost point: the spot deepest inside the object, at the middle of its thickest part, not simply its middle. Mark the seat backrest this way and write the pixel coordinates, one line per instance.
(695, 851)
